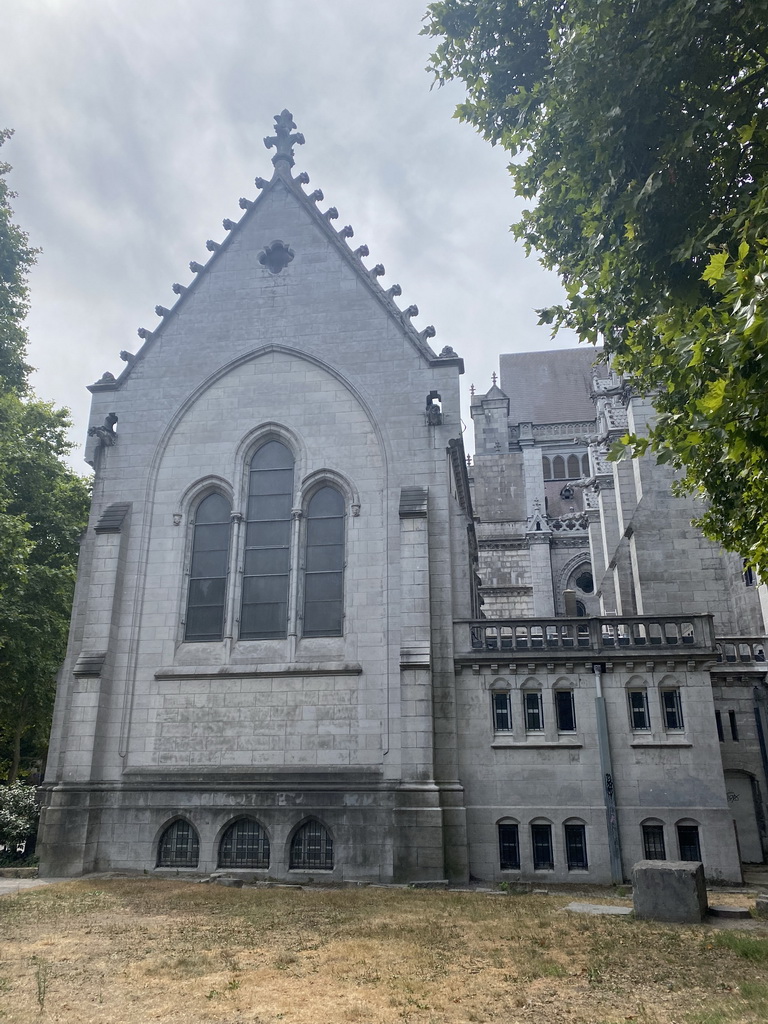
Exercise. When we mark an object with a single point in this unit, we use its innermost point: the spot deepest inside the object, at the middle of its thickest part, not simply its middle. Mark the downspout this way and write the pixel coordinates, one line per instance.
(606, 770)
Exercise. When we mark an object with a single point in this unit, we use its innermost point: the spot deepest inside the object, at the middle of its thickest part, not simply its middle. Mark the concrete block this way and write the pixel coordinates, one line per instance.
(669, 890)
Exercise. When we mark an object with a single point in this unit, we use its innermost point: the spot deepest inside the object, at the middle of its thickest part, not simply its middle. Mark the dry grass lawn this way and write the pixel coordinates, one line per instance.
(133, 951)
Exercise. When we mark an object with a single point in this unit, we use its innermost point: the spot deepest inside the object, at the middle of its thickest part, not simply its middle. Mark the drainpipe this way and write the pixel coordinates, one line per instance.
(606, 770)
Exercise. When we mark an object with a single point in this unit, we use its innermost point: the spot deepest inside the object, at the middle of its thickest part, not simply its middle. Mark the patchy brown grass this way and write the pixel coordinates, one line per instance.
(141, 950)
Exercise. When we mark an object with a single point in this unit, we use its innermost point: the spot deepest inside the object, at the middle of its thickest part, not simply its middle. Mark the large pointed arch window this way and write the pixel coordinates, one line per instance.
(324, 564)
(267, 564)
(208, 570)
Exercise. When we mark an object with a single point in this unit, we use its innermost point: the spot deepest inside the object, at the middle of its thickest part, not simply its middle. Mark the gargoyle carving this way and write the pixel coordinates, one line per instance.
(448, 353)
(106, 434)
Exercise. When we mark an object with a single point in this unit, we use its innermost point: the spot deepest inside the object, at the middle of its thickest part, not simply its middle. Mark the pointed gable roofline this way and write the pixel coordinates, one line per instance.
(283, 141)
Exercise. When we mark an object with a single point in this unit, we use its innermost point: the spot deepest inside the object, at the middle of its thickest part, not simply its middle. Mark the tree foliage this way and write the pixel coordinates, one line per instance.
(43, 508)
(639, 131)
(19, 815)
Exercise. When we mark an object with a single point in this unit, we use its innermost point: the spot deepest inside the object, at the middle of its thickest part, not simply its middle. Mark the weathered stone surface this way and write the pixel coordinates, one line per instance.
(598, 909)
(669, 891)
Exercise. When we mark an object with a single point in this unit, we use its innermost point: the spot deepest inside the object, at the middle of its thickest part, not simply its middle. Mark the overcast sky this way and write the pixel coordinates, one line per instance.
(139, 124)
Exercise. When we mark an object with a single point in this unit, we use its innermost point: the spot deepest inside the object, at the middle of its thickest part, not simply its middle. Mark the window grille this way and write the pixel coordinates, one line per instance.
(688, 841)
(179, 846)
(324, 564)
(653, 842)
(638, 710)
(576, 847)
(245, 844)
(565, 711)
(673, 709)
(266, 567)
(208, 570)
(509, 847)
(534, 712)
(541, 841)
(502, 712)
(312, 848)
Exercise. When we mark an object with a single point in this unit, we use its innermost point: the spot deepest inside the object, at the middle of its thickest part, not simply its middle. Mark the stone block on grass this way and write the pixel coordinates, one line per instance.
(669, 890)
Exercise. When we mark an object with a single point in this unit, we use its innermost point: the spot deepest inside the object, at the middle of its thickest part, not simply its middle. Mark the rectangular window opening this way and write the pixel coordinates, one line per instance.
(673, 709)
(653, 842)
(502, 712)
(719, 724)
(541, 841)
(734, 726)
(688, 840)
(638, 710)
(534, 712)
(576, 847)
(509, 848)
(565, 711)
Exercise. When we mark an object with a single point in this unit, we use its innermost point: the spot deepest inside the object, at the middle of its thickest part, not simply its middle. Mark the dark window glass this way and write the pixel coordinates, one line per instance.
(564, 709)
(638, 709)
(547, 467)
(208, 570)
(245, 844)
(688, 840)
(541, 841)
(673, 711)
(534, 717)
(585, 582)
(653, 842)
(576, 847)
(312, 848)
(266, 564)
(734, 726)
(574, 470)
(719, 724)
(502, 713)
(324, 564)
(179, 846)
(509, 847)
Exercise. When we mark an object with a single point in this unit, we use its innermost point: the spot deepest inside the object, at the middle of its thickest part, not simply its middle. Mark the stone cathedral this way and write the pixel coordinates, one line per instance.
(312, 640)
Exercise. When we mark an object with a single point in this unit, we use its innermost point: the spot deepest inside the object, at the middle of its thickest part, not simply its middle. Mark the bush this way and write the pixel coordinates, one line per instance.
(19, 814)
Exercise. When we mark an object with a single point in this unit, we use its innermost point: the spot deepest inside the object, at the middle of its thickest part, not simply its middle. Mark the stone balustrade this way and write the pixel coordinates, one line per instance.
(741, 650)
(593, 634)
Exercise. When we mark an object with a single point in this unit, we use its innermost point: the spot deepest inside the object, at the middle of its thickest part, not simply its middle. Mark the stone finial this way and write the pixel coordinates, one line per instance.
(303, 178)
(178, 289)
(260, 182)
(448, 353)
(428, 332)
(469, 461)
(377, 271)
(162, 311)
(276, 256)
(245, 204)
(360, 251)
(394, 290)
(282, 141)
(212, 246)
(196, 267)
(331, 213)
(317, 196)
(493, 378)
(410, 312)
(346, 231)
(127, 357)
(229, 225)
(143, 333)
(471, 390)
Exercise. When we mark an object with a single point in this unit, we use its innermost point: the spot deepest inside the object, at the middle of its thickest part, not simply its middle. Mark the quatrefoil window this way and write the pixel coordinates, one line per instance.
(276, 256)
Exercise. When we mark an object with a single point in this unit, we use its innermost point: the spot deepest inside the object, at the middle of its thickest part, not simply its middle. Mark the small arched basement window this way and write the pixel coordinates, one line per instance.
(267, 564)
(179, 846)
(311, 848)
(324, 564)
(245, 844)
(208, 570)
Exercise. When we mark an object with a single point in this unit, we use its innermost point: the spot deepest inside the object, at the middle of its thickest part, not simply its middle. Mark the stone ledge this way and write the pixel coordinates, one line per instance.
(314, 668)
